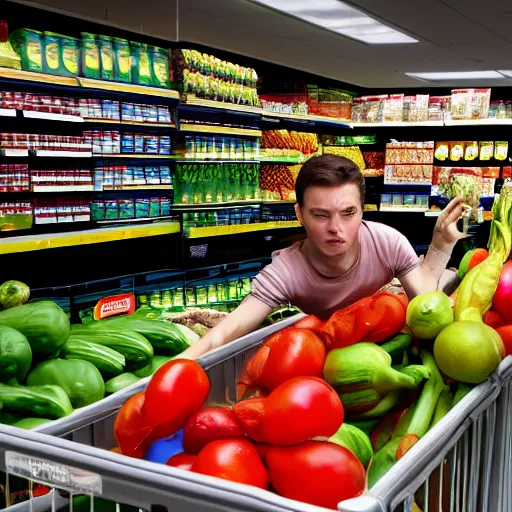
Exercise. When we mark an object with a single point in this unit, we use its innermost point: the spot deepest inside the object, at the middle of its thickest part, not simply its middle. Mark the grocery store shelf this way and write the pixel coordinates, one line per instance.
(143, 219)
(397, 184)
(397, 124)
(7, 112)
(180, 159)
(403, 209)
(129, 123)
(309, 118)
(63, 188)
(92, 236)
(230, 204)
(224, 130)
(282, 160)
(49, 116)
(14, 153)
(236, 229)
(198, 102)
(30, 76)
(63, 154)
(138, 187)
(133, 155)
(478, 122)
(144, 90)
(88, 83)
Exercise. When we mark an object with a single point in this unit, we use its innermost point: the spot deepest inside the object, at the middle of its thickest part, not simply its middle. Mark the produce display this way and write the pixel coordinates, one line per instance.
(206, 76)
(48, 368)
(335, 403)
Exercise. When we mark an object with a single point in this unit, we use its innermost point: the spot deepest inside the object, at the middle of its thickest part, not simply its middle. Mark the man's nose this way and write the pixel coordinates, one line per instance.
(334, 225)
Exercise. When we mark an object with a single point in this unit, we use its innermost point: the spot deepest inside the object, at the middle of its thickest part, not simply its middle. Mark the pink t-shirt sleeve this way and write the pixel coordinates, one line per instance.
(272, 285)
(405, 258)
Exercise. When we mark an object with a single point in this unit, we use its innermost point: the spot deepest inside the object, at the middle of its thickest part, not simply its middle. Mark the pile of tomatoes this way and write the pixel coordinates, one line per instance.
(275, 439)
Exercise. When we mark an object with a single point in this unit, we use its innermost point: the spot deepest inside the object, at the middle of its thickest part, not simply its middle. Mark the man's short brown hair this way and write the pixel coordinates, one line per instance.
(328, 171)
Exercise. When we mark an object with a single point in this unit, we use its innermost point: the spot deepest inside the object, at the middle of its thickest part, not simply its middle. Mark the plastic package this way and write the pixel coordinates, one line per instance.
(122, 60)
(106, 57)
(91, 66)
(29, 45)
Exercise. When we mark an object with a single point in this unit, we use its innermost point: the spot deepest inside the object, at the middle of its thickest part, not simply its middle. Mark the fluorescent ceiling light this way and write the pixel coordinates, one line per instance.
(341, 18)
(506, 72)
(456, 75)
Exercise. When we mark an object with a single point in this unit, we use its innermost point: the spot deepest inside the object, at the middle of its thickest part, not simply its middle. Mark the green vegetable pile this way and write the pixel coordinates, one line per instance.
(48, 367)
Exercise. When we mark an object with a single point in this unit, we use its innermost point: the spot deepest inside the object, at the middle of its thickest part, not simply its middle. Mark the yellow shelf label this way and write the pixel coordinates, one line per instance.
(236, 229)
(92, 236)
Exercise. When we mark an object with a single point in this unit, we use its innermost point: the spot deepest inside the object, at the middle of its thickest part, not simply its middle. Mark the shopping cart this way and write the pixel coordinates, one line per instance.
(461, 465)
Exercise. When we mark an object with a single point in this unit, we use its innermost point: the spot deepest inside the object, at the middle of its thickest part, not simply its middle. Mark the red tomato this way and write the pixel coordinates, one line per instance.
(313, 323)
(130, 429)
(263, 449)
(183, 461)
(236, 460)
(249, 415)
(300, 409)
(289, 353)
(506, 336)
(177, 390)
(315, 472)
(494, 319)
(209, 424)
(387, 316)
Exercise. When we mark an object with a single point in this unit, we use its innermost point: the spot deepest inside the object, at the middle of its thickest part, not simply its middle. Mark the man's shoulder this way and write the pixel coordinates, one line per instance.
(380, 232)
(288, 254)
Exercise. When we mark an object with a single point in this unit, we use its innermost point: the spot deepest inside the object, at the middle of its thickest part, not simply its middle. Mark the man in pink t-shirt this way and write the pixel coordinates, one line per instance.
(343, 258)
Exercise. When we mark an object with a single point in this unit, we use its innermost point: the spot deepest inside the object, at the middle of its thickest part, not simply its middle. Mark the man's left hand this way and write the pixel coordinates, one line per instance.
(446, 232)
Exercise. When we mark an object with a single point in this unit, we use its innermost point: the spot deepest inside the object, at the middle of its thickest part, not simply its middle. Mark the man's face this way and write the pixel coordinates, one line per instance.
(331, 217)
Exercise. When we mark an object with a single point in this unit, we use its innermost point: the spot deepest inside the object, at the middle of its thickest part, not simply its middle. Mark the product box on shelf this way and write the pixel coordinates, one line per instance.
(409, 162)
(205, 76)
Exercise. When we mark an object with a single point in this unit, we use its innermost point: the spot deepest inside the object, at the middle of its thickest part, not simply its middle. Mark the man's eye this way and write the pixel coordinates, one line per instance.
(320, 215)
(349, 214)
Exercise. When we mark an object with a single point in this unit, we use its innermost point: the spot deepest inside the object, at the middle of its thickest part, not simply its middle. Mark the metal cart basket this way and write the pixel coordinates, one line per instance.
(461, 465)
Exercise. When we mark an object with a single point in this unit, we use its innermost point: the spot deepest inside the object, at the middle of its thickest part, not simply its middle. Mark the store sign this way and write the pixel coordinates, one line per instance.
(115, 305)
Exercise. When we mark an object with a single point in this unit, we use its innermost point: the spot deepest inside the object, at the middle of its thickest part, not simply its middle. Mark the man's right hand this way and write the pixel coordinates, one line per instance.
(249, 315)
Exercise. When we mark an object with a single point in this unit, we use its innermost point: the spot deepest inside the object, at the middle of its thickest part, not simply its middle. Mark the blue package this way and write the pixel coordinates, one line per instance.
(163, 449)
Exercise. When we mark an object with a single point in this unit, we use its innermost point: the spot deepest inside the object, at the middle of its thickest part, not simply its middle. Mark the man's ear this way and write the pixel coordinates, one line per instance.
(298, 213)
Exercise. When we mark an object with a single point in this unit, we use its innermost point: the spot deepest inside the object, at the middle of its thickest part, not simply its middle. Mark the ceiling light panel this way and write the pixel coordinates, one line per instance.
(340, 18)
(456, 75)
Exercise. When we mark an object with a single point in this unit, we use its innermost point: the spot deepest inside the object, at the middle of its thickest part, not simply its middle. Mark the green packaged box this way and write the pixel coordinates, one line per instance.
(29, 44)
(159, 66)
(122, 60)
(106, 58)
(141, 66)
(90, 56)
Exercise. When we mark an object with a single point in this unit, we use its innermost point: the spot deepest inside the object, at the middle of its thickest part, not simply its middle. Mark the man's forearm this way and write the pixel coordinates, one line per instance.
(433, 266)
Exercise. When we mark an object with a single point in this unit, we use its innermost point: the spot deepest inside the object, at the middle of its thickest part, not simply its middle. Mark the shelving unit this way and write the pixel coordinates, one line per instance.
(237, 229)
(92, 236)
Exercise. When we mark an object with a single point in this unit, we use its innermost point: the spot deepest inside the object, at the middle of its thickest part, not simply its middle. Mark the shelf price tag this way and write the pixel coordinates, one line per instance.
(53, 474)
